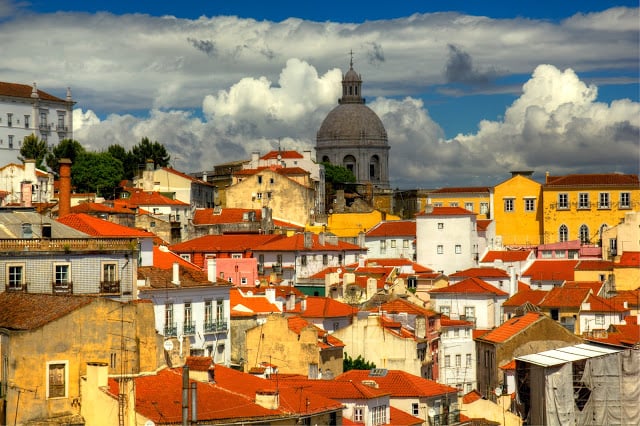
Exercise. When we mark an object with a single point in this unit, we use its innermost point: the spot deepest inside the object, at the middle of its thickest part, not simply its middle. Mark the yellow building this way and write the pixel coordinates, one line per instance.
(476, 199)
(516, 210)
(349, 225)
(580, 207)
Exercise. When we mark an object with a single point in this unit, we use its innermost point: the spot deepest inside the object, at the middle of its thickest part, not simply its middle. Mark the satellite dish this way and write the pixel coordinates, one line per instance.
(431, 412)
(257, 283)
(386, 287)
(498, 391)
(339, 271)
(149, 423)
(168, 345)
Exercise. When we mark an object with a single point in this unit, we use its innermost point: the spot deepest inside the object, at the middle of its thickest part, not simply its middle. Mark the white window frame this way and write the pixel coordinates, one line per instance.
(563, 201)
(103, 271)
(49, 364)
(393, 243)
(599, 319)
(440, 249)
(604, 201)
(458, 249)
(447, 361)
(469, 206)
(358, 414)
(509, 204)
(529, 204)
(186, 257)
(23, 270)
(55, 273)
(583, 201)
(484, 208)
(625, 200)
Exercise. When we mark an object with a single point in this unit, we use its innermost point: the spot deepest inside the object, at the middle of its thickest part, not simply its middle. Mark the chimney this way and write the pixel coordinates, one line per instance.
(211, 270)
(64, 192)
(321, 238)
(513, 281)
(30, 169)
(147, 176)
(308, 240)
(546, 176)
(361, 260)
(428, 209)
(270, 294)
(291, 301)
(204, 176)
(26, 193)
(303, 304)
(97, 374)
(176, 274)
(268, 398)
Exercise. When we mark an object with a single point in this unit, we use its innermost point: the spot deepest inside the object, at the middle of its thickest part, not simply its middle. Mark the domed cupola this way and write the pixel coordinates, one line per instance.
(351, 87)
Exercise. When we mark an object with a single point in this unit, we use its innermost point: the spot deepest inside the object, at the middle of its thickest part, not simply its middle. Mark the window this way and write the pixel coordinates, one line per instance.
(220, 310)
(584, 234)
(61, 121)
(444, 334)
(236, 255)
(15, 274)
(61, 275)
(456, 332)
(453, 204)
(529, 204)
(188, 323)
(440, 225)
(10, 141)
(271, 181)
(583, 200)
(440, 249)
(458, 249)
(508, 204)
(357, 414)
(43, 119)
(243, 281)
(169, 327)
(484, 208)
(599, 319)
(458, 360)
(563, 201)
(470, 313)
(613, 246)
(547, 254)
(604, 201)
(259, 195)
(325, 259)
(208, 312)
(303, 260)
(57, 379)
(559, 254)
(109, 272)
(468, 206)
(625, 200)
(414, 409)
(468, 360)
(26, 121)
(186, 257)
(393, 243)
(9, 119)
(437, 204)
(259, 179)
(383, 245)
(563, 233)
(269, 195)
(445, 310)
(447, 360)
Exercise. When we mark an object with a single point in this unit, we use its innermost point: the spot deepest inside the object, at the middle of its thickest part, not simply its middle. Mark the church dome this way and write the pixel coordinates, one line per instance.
(351, 121)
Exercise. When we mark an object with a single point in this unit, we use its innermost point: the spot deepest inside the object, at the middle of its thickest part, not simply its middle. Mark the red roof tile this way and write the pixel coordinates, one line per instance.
(551, 270)
(482, 272)
(445, 321)
(334, 389)
(466, 190)
(224, 243)
(398, 417)
(24, 91)
(563, 297)
(273, 155)
(101, 228)
(326, 307)
(394, 228)
(296, 243)
(520, 298)
(483, 224)
(632, 297)
(242, 305)
(17, 309)
(164, 258)
(448, 211)
(470, 397)
(629, 259)
(594, 265)
(100, 208)
(595, 286)
(138, 197)
(511, 365)
(600, 304)
(401, 305)
(470, 286)
(609, 179)
(185, 176)
(400, 383)
(511, 327)
(506, 256)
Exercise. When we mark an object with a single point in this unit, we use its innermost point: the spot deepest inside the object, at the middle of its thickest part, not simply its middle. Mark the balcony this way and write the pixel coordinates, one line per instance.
(16, 287)
(170, 330)
(62, 129)
(260, 269)
(276, 268)
(62, 287)
(110, 287)
(189, 328)
(215, 326)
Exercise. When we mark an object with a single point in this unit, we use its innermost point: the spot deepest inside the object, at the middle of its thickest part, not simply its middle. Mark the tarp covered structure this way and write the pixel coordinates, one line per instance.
(584, 384)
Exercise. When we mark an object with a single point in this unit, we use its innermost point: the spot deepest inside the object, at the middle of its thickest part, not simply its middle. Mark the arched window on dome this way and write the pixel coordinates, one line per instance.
(349, 163)
(374, 168)
(325, 159)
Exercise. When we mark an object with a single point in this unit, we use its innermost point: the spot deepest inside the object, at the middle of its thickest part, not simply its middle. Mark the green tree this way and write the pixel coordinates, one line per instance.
(337, 174)
(146, 150)
(118, 152)
(67, 148)
(359, 363)
(96, 171)
(34, 148)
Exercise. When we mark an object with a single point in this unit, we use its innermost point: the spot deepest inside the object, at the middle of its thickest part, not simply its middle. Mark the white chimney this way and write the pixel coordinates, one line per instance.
(176, 274)
(211, 270)
(513, 281)
(270, 294)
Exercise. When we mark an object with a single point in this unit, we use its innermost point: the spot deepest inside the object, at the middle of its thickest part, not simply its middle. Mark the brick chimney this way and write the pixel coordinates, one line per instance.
(64, 192)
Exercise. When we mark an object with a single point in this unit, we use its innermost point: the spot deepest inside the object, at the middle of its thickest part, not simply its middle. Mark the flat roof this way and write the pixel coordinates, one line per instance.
(566, 354)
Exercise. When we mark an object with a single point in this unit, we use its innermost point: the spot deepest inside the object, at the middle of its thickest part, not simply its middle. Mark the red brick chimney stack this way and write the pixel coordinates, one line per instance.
(64, 192)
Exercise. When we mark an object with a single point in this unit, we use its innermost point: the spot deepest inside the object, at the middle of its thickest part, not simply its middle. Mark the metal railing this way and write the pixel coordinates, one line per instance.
(110, 286)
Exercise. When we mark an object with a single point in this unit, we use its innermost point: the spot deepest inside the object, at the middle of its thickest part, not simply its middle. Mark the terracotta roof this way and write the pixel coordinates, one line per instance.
(90, 207)
(325, 340)
(399, 383)
(223, 215)
(394, 228)
(470, 286)
(511, 327)
(164, 258)
(506, 256)
(296, 243)
(96, 227)
(445, 321)
(481, 272)
(483, 224)
(511, 365)
(273, 155)
(478, 332)
(397, 306)
(285, 171)
(466, 189)
(398, 417)
(632, 297)
(520, 298)
(594, 265)
(600, 304)
(334, 389)
(24, 91)
(551, 270)
(162, 279)
(185, 176)
(629, 259)
(224, 243)
(139, 197)
(595, 286)
(626, 335)
(231, 398)
(608, 179)
(326, 307)
(17, 310)
(470, 397)
(563, 297)
(242, 305)
(448, 211)
(199, 363)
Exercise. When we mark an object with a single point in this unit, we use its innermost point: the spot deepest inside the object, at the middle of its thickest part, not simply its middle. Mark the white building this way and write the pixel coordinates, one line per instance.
(392, 240)
(457, 365)
(25, 110)
(23, 184)
(447, 239)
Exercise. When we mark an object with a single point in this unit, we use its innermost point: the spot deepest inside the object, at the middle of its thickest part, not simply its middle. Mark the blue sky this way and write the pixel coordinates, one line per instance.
(466, 89)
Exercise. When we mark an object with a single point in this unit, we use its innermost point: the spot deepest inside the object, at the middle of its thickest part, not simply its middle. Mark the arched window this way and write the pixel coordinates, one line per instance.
(603, 228)
(349, 162)
(325, 159)
(563, 233)
(584, 234)
(374, 168)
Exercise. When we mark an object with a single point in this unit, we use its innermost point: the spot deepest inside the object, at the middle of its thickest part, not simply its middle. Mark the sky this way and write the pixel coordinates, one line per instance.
(467, 90)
